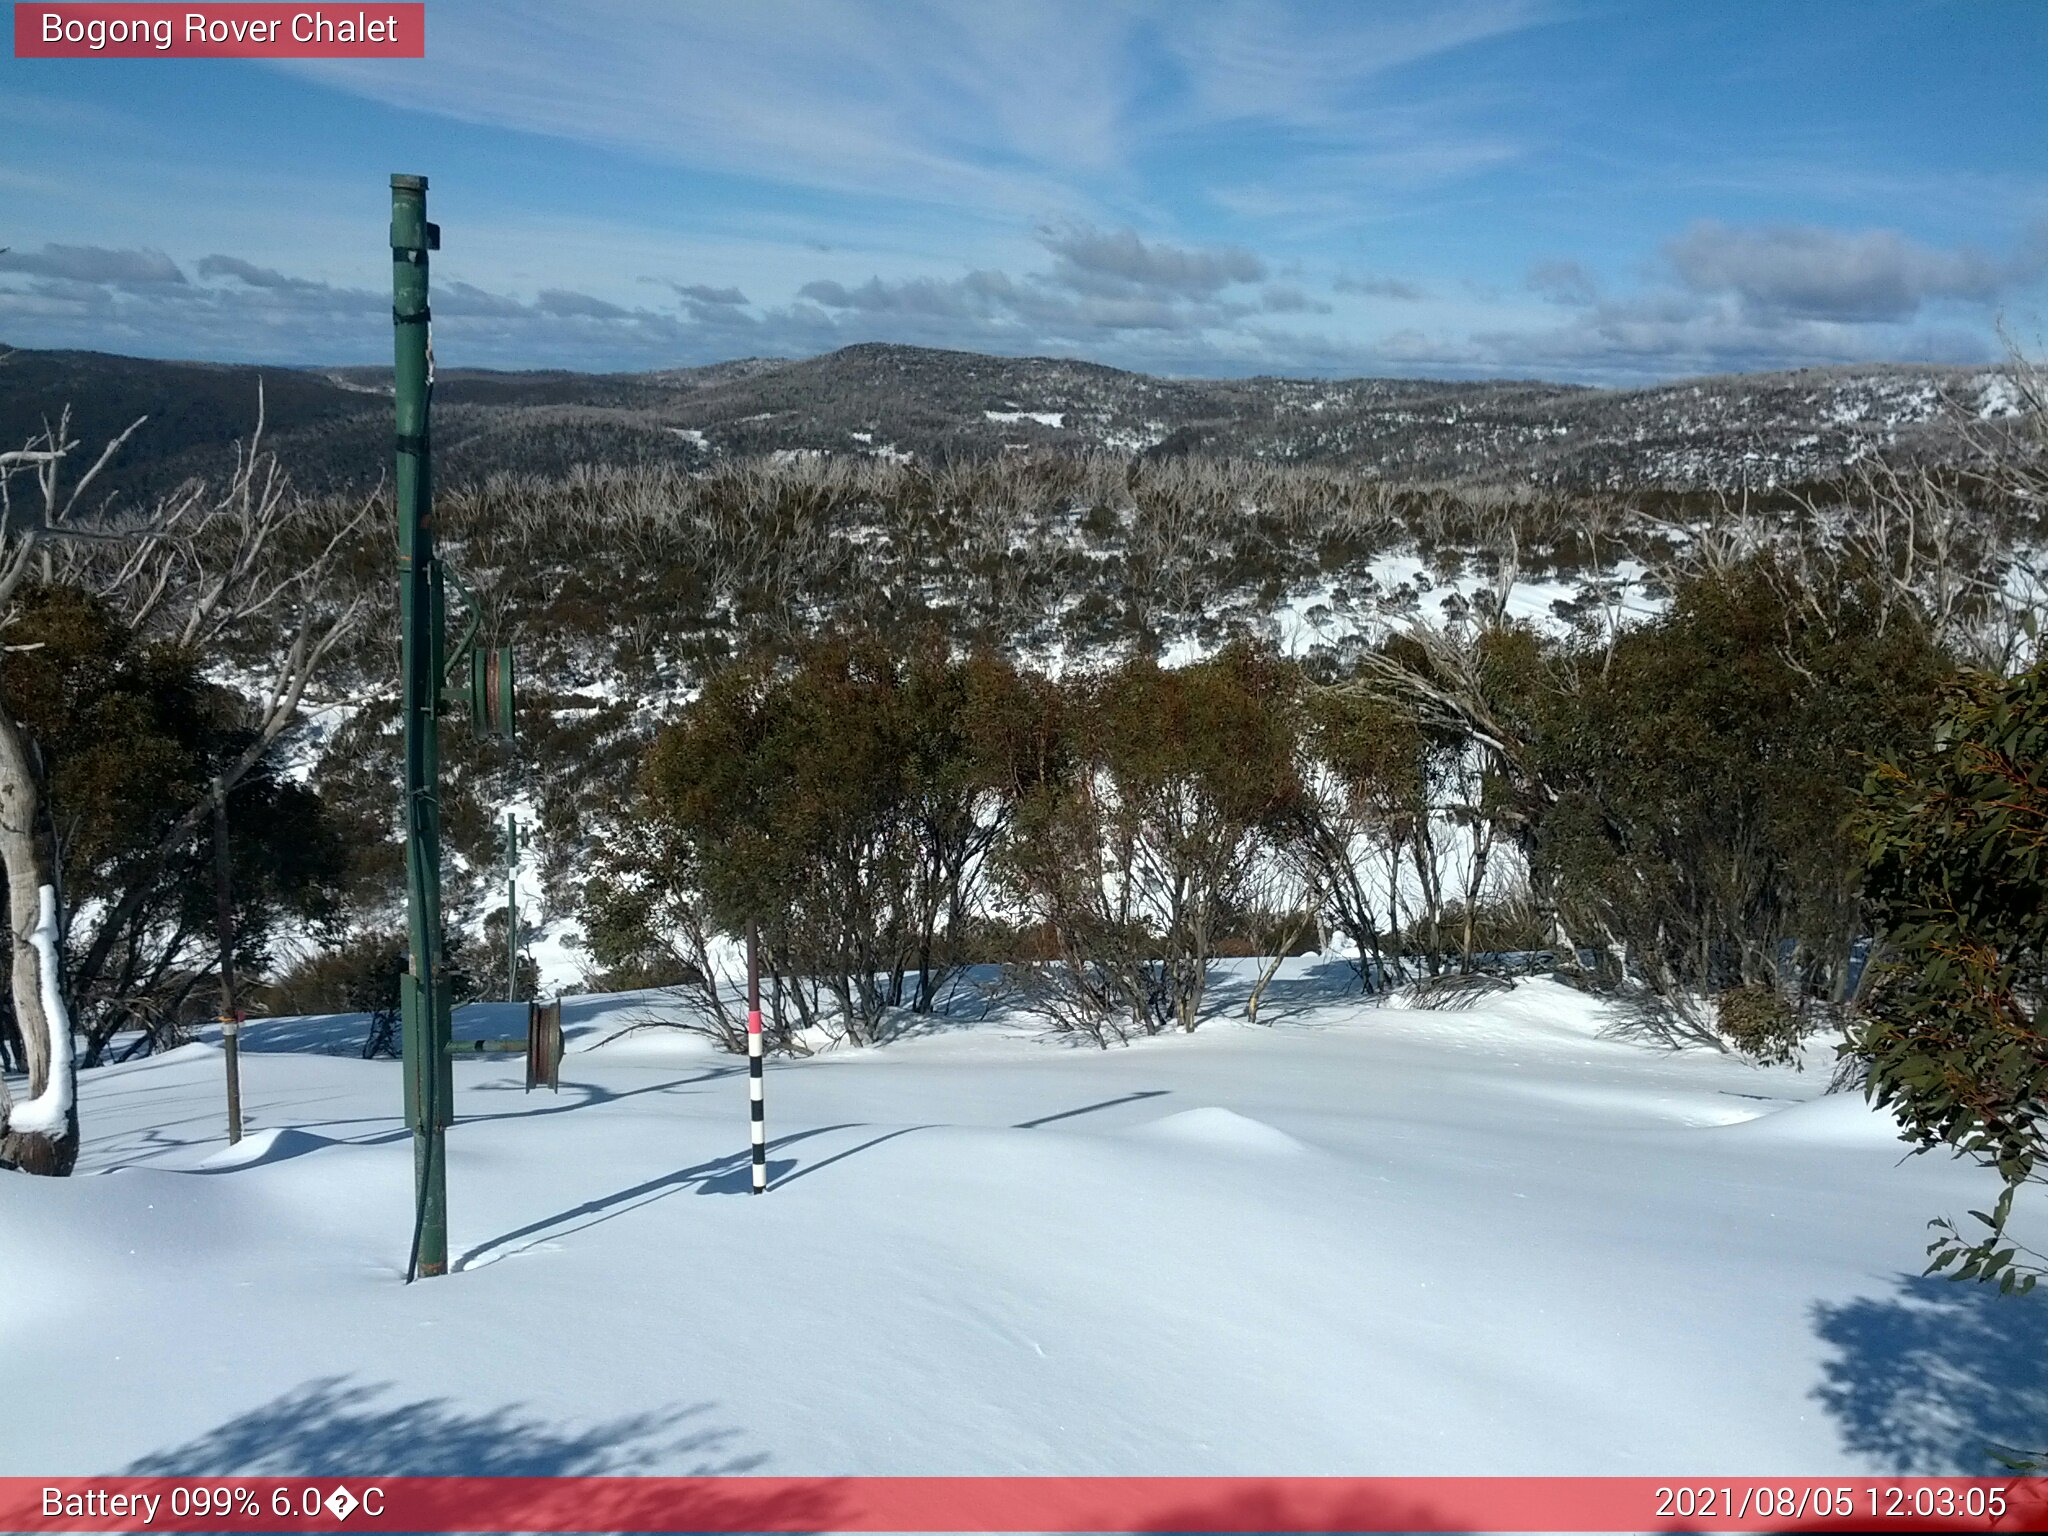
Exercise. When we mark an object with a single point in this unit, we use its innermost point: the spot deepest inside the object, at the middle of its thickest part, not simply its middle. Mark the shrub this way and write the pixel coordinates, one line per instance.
(845, 802)
(1700, 773)
(1761, 1024)
(360, 976)
(1135, 850)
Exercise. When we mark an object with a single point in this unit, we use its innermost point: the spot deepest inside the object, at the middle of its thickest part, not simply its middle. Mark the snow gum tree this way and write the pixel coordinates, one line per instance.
(1954, 1023)
(1138, 848)
(1362, 789)
(845, 802)
(1699, 773)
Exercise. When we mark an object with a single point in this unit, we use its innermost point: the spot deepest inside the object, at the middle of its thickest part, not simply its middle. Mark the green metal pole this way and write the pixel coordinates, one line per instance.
(423, 992)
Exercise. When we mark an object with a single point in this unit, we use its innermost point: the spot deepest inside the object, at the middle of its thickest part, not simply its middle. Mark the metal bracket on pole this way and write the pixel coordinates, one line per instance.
(460, 653)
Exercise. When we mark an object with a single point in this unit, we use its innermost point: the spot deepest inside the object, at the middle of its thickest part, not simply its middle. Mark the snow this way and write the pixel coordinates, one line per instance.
(1213, 1129)
(271, 1146)
(1839, 1120)
(558, 954)
(1133, 439)
(1999, 396)
(1043, 418)
(1354, 1240)
(1400, 586)
(47, 1112)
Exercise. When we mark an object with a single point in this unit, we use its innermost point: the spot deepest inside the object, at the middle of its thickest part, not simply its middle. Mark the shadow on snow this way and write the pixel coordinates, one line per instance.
(1924, 1382)
(332, 1427)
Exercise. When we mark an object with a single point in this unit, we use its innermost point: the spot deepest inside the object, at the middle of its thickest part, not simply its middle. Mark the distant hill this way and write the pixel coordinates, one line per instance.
(332, 427)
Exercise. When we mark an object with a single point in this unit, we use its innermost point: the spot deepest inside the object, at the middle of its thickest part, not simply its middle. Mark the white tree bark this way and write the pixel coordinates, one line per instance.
(49, 1112)
(41, 1134)
(20, 860)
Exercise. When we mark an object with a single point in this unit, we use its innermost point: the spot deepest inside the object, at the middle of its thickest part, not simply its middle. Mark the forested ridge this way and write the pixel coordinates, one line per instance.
(331, 425)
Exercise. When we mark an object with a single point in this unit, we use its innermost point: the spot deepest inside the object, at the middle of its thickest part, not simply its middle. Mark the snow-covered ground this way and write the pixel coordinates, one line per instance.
(1364, 1240)
(1043, 418)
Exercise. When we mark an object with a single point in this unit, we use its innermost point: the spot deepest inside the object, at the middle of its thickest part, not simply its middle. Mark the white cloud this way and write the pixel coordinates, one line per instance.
(1728, 300)
(1309, 69)
(1116, 263)
(94, 264)
(1808, 272)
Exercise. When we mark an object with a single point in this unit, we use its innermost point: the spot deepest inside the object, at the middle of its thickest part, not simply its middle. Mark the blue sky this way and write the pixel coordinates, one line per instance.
(1606, 192)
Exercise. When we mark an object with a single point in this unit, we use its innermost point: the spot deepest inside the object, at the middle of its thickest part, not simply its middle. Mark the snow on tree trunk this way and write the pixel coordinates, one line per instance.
(40, 1136)
(48, 1113)
(21, 863)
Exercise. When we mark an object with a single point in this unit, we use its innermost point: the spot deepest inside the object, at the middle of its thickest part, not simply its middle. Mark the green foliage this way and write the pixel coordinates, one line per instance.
(490, 966)
(1363, 766)
(361, 975)
(1501, 927)
(626, 926)
(842, 803)
(1201, 753)
(1136, 848)
(1760, 1023)
(127, 737)
(1698, 776)
(1955, 1018)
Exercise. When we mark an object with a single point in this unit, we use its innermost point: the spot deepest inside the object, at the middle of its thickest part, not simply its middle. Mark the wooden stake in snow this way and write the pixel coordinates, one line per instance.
(756, 1110)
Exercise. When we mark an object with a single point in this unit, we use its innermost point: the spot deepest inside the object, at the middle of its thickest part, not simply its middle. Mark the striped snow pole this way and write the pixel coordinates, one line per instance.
(756, 1109)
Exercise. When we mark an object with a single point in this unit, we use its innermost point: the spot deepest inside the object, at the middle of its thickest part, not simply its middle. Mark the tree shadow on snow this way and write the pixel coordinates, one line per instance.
(588, 1095)
(534, 1103)
(141, 1144)
(1089, 1109)
(730, 1174)
(1925, 1382)
(331, 1427)
(1299, 994)
(1640, 1017)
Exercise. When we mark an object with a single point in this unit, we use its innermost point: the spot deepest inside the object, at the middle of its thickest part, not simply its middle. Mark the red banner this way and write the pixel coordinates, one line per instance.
(1055, 1504)
(216, 31)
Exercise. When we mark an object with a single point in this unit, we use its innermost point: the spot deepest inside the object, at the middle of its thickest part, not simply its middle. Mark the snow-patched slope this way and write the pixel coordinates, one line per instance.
(1361, 1240)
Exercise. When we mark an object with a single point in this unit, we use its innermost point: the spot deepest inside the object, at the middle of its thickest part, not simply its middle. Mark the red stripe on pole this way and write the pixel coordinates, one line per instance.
(1005, 1504)
(753, 1021)
(245, 29)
